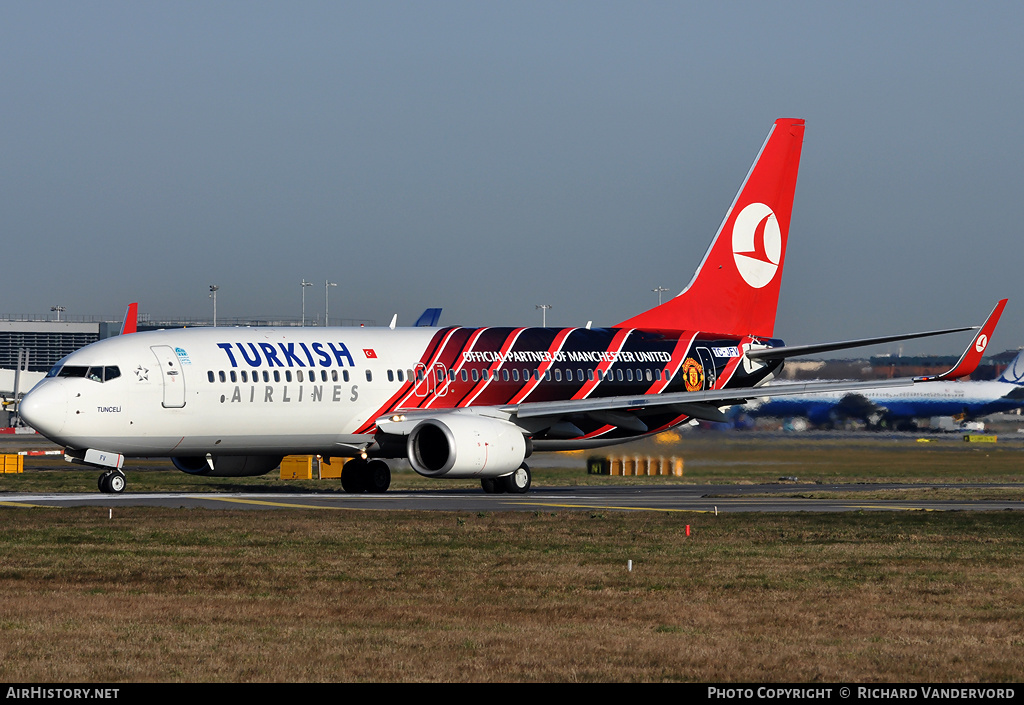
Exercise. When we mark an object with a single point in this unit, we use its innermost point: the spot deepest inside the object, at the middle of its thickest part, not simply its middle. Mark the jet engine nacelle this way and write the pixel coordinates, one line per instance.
(227, 465)
(461, 445)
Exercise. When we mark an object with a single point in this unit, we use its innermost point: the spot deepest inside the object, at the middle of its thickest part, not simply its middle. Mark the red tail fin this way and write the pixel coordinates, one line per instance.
(736, 287)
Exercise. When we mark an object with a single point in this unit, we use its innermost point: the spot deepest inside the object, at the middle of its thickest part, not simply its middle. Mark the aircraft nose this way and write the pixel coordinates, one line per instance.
(45, 408)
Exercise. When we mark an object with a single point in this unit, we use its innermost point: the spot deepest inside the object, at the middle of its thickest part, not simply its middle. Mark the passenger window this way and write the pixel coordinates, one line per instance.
(590, 375)
(299, 375)
(547, 374)
(234, 377)
(629, 374)
(504, 375)
(222, 376)
(465, 376)
(266, 376)
(334, 375)
(344, 375)
(391, 375)
(209, 375)
(618, 374)
(369, 376)
(277, 375)
(401, 376)
(515, 375)
(476, 375)
(579, 375)
(568, 375)
(558, 375)
(287, 375)
(657, 374)
(245, 376)
(647, 375)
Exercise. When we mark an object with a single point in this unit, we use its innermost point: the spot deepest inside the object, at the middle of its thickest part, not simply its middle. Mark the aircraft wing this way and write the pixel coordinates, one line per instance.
(712, 398)
(709, 399)
(981, 339)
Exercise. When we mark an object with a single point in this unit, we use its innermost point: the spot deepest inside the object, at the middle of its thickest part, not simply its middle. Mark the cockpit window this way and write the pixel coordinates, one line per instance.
(96, 374)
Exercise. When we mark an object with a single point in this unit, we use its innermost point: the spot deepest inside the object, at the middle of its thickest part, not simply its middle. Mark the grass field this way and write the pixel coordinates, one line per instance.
(337, 595)
(194, 595)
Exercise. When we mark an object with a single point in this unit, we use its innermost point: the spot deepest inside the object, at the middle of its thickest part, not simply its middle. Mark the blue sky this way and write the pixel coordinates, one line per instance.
(488, 157)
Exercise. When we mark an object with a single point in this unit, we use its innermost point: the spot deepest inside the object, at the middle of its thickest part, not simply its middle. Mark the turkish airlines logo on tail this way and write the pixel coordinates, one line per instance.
(757, 244)
(981, 343)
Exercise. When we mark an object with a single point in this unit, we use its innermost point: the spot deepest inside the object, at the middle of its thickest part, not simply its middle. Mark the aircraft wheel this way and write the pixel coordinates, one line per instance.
(117, 482)
(377, 477)
(518, 482)
(102, 483)
(353, 476)
(491, 485)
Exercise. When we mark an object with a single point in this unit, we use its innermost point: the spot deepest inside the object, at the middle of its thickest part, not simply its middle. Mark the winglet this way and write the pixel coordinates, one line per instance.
(131, 319)
(972, 355)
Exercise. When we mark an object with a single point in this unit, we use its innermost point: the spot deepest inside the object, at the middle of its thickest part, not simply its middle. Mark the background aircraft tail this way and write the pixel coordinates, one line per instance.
(736, 287)
(1014, 372)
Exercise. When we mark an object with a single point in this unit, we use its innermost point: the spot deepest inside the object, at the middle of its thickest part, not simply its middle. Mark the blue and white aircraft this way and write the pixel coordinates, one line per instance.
(890, 406)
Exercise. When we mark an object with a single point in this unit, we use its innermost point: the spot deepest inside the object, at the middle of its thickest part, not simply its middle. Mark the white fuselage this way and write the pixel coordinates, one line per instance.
(181, 392)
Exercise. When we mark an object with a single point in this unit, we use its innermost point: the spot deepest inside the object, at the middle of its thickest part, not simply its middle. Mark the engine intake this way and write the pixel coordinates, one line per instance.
(458, 445)
(227, 465)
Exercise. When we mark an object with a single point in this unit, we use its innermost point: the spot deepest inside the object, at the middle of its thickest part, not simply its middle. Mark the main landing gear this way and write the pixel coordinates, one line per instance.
(358, 475)
(112, 482)
(516, 483)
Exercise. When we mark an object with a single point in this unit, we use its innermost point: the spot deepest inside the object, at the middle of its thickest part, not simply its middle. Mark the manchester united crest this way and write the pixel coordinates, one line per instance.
(693, 375)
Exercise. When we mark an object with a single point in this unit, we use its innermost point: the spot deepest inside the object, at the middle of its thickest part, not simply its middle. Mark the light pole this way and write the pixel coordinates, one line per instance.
(213, 295)
(327, 299)
(544, 313)
(58, 310)
(304, 285)
(659, 290)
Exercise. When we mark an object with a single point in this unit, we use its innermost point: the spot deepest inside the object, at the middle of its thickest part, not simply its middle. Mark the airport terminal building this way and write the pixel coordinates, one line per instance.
(46, 342)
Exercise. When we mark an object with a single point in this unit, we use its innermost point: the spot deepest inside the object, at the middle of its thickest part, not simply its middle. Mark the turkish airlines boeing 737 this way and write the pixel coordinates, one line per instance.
(457, 402)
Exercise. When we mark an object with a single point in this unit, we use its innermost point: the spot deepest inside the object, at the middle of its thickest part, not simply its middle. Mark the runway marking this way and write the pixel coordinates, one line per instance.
(283, 504)
(610, 507)
(902, 509)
